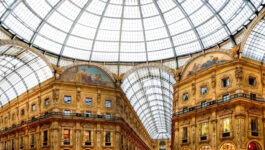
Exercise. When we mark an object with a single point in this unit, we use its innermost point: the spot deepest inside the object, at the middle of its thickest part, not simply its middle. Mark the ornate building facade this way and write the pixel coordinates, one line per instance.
(81, 109)
(218, 103)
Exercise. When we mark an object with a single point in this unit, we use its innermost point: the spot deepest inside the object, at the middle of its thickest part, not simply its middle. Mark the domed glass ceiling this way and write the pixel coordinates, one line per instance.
(125, 30)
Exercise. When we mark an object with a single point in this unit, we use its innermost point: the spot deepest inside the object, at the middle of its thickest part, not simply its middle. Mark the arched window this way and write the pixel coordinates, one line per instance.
(206, 147)
(228, 146)
(254, 146)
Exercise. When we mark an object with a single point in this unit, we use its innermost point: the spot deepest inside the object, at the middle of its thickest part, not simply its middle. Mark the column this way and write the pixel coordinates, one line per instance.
(214, 131)
(55, 142)
(117, 138)
(98, 133)
(77, 136)
(240, 132)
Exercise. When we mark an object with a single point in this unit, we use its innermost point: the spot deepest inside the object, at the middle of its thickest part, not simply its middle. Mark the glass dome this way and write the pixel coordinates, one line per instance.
(125, 30)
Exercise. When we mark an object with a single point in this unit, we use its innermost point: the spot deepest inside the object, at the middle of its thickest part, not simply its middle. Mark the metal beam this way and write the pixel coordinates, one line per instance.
(121, 25)
(97, 30)
(53, 9)
(9, 10)
(168, 32)
(72, 28)
(142, 22)
(220, 19)
(191, 23)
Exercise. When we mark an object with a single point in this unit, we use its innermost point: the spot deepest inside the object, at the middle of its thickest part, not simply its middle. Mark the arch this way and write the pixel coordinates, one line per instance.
(227, 145)
(152, 65)
(20, 70)
(254, 145)
(250, 46)
(88, 74)
(200, 61)
(185, 148)
(152, 102)
(27, 47)
(98, 66)
(205, 147)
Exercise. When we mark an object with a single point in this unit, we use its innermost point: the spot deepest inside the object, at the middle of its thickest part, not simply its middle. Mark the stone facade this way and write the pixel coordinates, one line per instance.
(72, 115)
(220, 106)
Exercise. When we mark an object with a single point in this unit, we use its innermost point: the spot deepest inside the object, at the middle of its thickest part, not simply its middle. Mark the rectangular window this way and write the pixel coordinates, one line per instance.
(88, 114)
(67, 112)
(226, 127)
(47, 102)
(32, 141)
(185, 96)
(5, 145)
(252, 96)
(13, 144)
(252, 81)
(226, 98)
(108, 138)
(87, 138)
(45, 138)
(225, 82)
(107, 116)
(107, 103)
(66, 137)
(22, 112)
(254, 127)
(33, 107)
(67, 99)
(185, 109)
(203, 90)
(184, 134)
(204, 131)
(122, 141)
(21, 142)
(204, 104)
(13, 116)
(88, 101)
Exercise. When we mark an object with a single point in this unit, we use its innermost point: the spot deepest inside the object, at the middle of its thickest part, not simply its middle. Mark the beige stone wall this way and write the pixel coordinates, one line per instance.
(127, 126)
(240, 110)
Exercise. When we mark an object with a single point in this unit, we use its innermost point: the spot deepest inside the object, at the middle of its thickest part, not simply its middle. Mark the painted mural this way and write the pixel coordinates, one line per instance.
(87, 75)
(205, 61)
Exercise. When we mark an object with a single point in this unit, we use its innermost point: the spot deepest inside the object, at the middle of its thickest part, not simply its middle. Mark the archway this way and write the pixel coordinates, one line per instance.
(228, 146)
(185, 148)
(254, 146)
(206, 147)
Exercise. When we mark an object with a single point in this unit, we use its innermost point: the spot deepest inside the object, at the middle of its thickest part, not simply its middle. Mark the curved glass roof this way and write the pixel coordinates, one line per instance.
(255, 44)
(150, 91)
(20, 70)
(125, 30)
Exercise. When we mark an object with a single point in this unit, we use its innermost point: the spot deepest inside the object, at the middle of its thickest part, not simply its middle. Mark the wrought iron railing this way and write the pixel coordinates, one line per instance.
(251, 97)
(73, 116)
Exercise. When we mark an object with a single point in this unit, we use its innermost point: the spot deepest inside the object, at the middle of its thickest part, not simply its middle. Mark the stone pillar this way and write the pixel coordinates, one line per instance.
(37, 138)
(240, 131)
(55, 142)
(118, 137)
(176, 137)
(214, 131)
(98, 133)
(193, 134)
(77, 136)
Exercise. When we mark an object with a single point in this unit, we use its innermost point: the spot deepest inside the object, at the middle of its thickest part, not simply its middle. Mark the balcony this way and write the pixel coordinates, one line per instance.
(251, 97)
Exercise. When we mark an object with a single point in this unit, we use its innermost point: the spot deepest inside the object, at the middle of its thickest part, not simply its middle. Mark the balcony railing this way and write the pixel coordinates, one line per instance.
(72, 116)
(218, 102)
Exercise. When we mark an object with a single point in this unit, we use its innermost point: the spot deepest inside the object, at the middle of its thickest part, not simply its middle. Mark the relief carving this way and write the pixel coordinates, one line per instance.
(213, 77)
(55, 94)
(239, 74)
(118, 79)
(193, 88)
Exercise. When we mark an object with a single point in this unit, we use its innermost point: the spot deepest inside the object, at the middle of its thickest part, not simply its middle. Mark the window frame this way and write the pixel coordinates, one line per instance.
(206, 89)
(67, 99)
(91, 101)
(108, 103)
